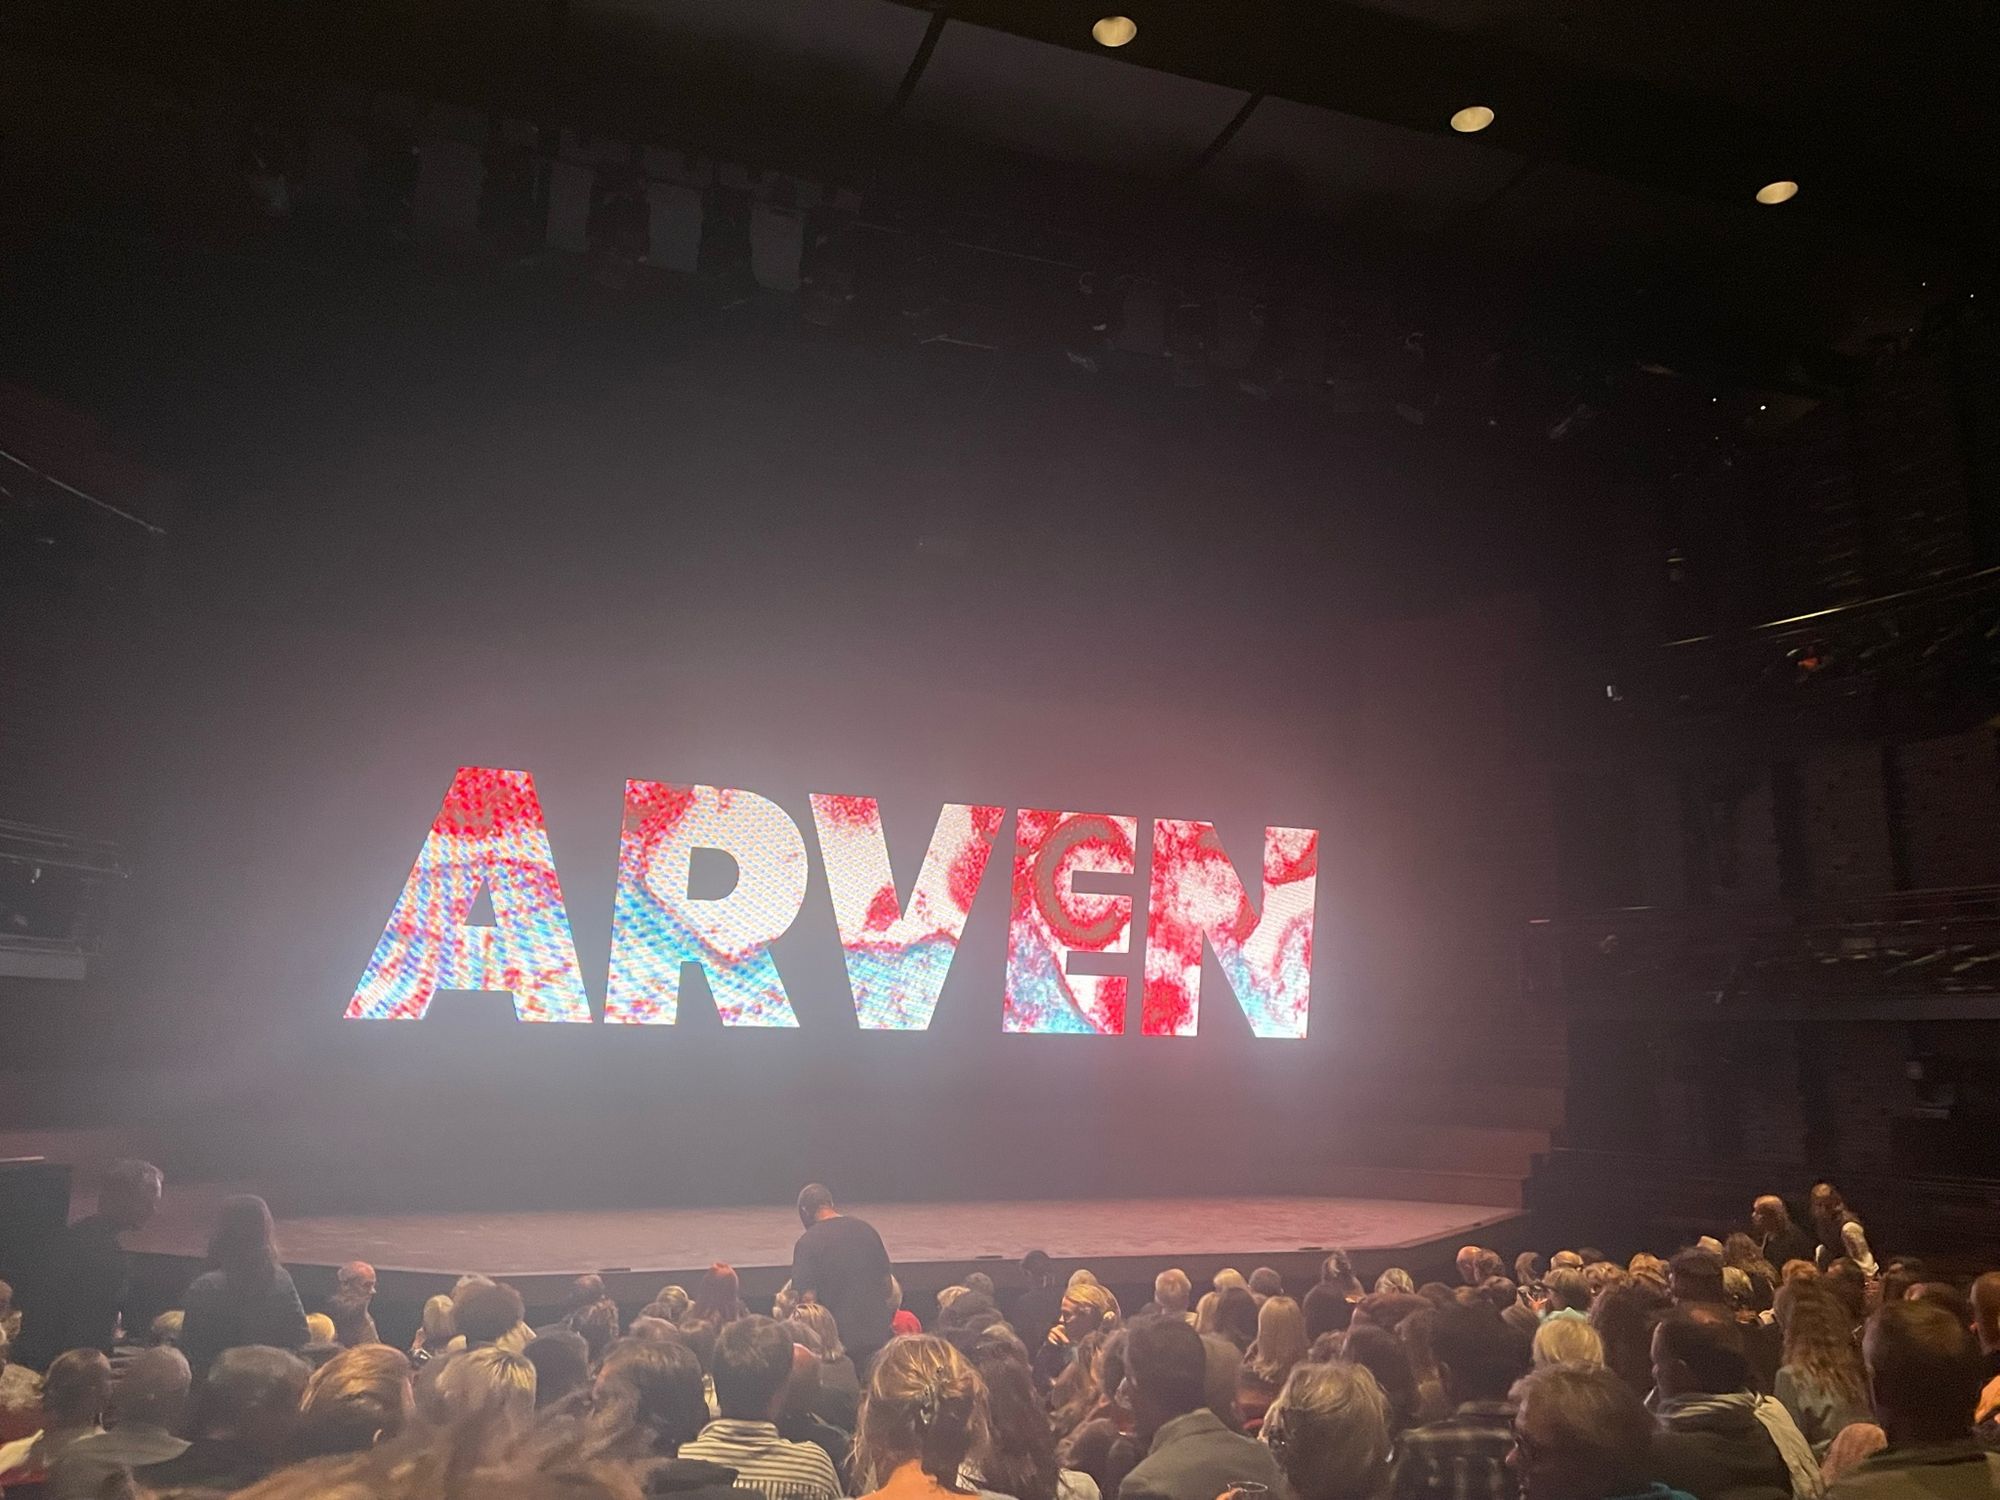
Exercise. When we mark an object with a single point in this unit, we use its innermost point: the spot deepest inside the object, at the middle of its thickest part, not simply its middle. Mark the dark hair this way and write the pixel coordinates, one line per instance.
(753, 1360)
(1850, 1284)
(649, 1399)
(1623, 1315)
(1946, 1296)
(244, 1246)
(1037, 1263)
(1925, 1372)
(1167, 1363)
(245, 1381)
(980, 1282)
(1706, 1340)
(485, 1310)
(1236, 1316)
(597, 1323)
(719, 1297)
(968, 1310)
(1266, 1282)
(584, 1290)
(1481, 1353)
(562, 1364)
(1695, 1275)
(1022, 1459)
(1602, 1427)
(76, 1388)
(1381, 1354)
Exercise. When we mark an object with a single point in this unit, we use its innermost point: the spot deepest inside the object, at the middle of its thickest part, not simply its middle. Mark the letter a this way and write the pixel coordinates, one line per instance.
(1197, 894)
(658, 928)
(897, 958)
(489, 833)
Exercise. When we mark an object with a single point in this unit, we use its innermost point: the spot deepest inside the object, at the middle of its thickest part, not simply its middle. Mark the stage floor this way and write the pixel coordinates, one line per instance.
(758, 1241)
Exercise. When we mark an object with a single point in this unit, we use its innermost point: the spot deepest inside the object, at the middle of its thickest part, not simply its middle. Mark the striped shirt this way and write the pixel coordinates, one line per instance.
(764, 1461)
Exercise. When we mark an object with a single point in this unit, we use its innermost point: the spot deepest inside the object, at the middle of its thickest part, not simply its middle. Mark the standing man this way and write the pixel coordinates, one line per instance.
(843, 1263)
(87, 1275)
(1778, 1239)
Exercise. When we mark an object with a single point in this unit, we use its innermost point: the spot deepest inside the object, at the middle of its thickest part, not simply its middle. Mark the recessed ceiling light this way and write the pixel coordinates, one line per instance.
(1472, 119)
(1115, 31)
(1777, 192)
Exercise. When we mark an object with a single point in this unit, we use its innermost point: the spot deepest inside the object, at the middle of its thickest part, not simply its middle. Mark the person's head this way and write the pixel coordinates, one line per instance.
(1266, 1282)
(1529, 1268)
(1698, 1351)
(1021, 1459)
(1038, 1269)
(671, 1303)
(244, 1246)
(1337, 1271)
(981, 1283)
(1171, 1290)
(1281, 1337)
(659, 1331)
(1695, 1275)
(1624, 1317)
(486, 1311)
(152, 1390)
(718, 1298)
(1168, 1369)
(355, 1400)
(584, 1290)
(1386, 1357)
(1228, 1277)
(358, 1277)
(77, 1389)
(1826, 1203)
(128, 1193)
(1580, 1433)
(1946, 1295)
(1503, 1294)
(1087, 1307)
(824, 1328)
(489, 1384)
(1740, 1250)
(649, 1395)
(926, 1405)
(1562, 1341)
(1986, 1310)
(319, 1328)
(439, 1327)
(562, 1364)
(1645, 1263)
(1924, 1373)
(1236, 1315)
(1768, 1214)
(348, 1312)
(1396, 1280)
(751, 1366)
(815, 1203)
(166, 1328)
(597, 1324)
(252, 1396)
(1819, 1338)
(1850, 1284)
(1204, 1312)
(1468, 1260)
(1329, 1430)
(1479, 1356)
(1569, 1289)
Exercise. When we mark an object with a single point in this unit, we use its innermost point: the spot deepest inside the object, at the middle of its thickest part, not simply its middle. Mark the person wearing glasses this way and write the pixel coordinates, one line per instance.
(1580, 1433)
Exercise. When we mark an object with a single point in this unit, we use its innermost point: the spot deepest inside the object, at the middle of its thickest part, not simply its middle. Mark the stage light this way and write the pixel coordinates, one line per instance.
(1114, 31)
(1472, 119)
(1777, 192)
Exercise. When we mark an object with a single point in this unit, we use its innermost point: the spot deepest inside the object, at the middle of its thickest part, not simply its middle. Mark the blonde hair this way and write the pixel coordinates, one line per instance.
(439, 1324)
(1204, 1312)
(1171, 1288)
(1098, 1299)
(1563, 1341)
(1330, 1427)
(488, 1380)
(360, 1395)
(319, 1328)
(1281, 1339)
(1229, 1276)
(924, 1404)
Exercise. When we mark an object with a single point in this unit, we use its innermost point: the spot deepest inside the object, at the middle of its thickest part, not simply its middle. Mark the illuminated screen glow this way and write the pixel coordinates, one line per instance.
(488, 834)
(1052, 920)
(897, 957)
(658, 927)
(1196, 894)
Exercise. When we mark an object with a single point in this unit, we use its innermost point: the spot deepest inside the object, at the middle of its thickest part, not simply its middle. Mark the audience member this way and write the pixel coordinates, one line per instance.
(1839, 1230)
(20, 1397)
(1923, 1378)
(751, 1367)
(1777, 1238)
(1171, 1290)
(1562, 1341)
(1086, 1308)
(1475, 1264)
(245, 1415)
(248, 1296)
(1384, 1355)
(1190, 1452)
(562, 1361)
(319, 1328)
(1464, 1456)
(840, 1261)
(718, 1297)
(1848, 1282)
(1821, 1381)
(1695, 1276)
(1329, 1302)
(1417, 1333)
(1397, 1280)
(839, 1384)
(356, 1281)
(355, 1400)
(1236, 1316)
(1580, 1433)
(1329, 1429)
(487, 1384)
(488, 1313)
(353, 1325)
(1529, 1268)
(923, 1417)
(1036, 1307)
(1569, 1291)
(148, 1399)
(1021, 1460)
(1718, 1437)
(75, 1393)
(1268, 1363)
(77, 1304)
(646, 1406)
(1265, 1283)
(437, 1330)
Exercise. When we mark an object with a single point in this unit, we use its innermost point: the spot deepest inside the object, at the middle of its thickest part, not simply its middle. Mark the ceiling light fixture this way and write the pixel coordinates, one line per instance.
(1115, 31)
(1472, 119)
(1782, 191)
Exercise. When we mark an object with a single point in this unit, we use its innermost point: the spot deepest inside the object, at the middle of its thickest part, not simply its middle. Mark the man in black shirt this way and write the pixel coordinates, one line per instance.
(842, 1262)
(1034, 1311)
(86, 1274)
(1778, 1238)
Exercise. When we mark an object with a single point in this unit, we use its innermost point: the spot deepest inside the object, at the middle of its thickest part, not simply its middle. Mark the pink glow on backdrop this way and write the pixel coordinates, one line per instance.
(1052, 919)
(1196, 894)
(658, 927)
(489, 834)
(897, 956)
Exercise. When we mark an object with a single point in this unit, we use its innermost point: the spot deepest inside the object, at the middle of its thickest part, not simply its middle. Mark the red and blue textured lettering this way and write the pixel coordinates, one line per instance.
(489, 834)
(1052, 920)
(1196, 896)
(658, 927)
(898, 955)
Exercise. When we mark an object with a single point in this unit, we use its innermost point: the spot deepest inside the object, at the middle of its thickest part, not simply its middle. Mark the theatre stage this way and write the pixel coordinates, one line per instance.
(933, 1244)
